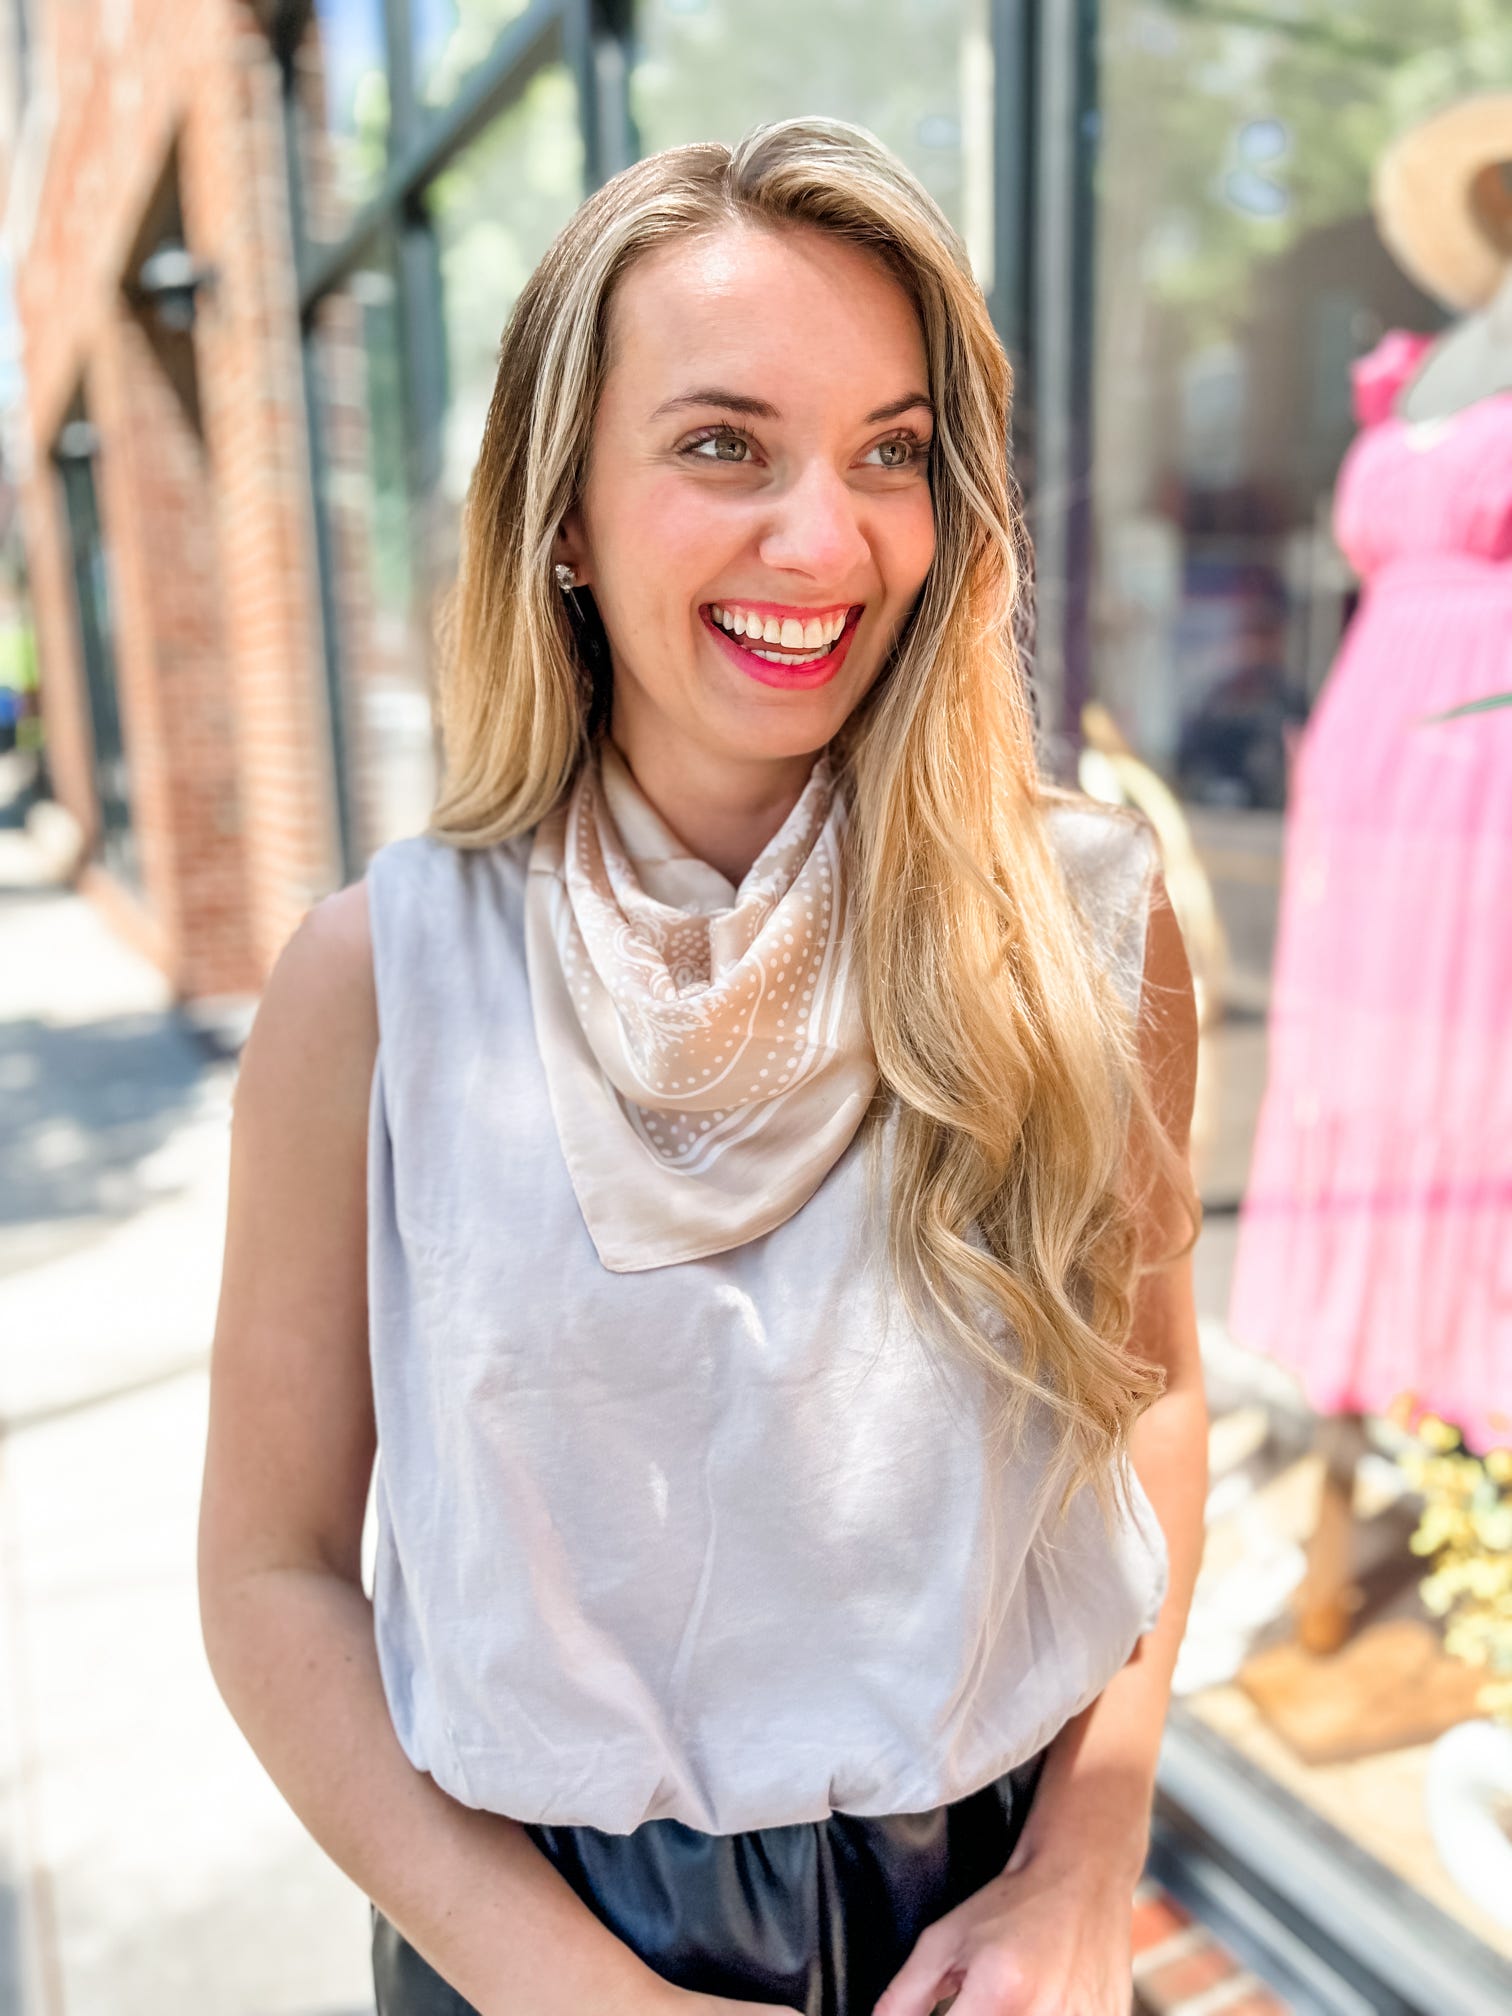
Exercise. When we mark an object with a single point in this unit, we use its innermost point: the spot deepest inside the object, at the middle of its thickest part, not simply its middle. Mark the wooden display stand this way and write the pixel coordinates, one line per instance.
(1331, 1695)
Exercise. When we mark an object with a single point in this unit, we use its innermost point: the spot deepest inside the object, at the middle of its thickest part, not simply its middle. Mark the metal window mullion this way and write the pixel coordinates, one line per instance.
(597, 40)
(1063, 225)
(530, 41)
(399, 49)
(421, 335)
(1012, 30)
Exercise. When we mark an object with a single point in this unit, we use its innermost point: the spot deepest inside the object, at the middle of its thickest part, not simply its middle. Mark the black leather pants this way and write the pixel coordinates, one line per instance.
(818, 1916)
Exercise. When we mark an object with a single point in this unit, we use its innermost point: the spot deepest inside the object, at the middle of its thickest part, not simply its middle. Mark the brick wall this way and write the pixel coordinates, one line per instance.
(203, 478)
(1181, 1969)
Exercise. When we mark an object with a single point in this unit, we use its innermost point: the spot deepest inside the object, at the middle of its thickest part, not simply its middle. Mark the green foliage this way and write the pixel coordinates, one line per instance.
(1183, 79)
(1481, 706)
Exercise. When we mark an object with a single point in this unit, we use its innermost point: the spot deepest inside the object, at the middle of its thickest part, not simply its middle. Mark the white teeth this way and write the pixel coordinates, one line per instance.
(788, 658)
(813, 636)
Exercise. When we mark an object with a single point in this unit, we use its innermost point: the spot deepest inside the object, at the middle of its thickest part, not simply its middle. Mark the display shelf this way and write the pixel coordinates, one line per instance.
(1303, 1901)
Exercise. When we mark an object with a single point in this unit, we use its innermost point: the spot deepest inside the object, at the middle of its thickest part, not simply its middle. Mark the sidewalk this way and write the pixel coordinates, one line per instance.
(148, 1866)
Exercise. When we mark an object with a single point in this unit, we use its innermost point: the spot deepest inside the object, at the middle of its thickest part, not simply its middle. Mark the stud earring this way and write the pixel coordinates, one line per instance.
(565, 577)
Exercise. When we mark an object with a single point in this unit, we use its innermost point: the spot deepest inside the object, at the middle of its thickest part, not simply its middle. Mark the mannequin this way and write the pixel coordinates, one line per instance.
(1442, 197)
(1467, 266)
(1471, 361)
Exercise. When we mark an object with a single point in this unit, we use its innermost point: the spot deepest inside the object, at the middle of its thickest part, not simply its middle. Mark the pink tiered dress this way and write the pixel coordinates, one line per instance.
(1375, 1237)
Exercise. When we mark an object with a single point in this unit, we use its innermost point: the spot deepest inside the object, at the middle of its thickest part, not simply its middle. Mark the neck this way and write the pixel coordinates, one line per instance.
(723, 812)
(1471, 361)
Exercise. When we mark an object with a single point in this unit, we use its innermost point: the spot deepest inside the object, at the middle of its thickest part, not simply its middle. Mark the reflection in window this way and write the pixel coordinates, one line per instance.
(495, 209)
(917, 73)
(344, 110)
(451, 38)
(1239, 272)
(391, 753)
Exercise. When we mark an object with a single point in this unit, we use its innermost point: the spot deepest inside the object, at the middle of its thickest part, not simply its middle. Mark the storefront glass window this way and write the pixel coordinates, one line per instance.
(452, 37)
(1239, 274)
(712, 69)
(365, 494)
(494, 210)
(405, 353)
(343, 96)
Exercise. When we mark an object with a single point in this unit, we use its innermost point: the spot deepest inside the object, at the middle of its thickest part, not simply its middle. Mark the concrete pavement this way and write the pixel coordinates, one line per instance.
(148, 1866)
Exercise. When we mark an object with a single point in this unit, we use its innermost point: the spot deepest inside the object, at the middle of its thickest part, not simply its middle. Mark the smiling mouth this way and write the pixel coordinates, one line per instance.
(793, 642)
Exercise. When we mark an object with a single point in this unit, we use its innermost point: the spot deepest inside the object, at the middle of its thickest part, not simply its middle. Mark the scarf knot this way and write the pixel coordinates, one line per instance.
(705, 1054)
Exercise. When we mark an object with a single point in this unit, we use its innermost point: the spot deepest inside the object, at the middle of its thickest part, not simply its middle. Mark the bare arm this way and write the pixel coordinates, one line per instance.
(1098, 1784)
(287, 1627)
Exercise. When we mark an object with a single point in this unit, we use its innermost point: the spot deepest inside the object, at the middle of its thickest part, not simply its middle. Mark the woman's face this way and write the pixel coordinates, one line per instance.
(756, 521)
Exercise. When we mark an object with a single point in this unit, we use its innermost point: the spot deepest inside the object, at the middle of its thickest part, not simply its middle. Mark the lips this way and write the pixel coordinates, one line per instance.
(802, 675)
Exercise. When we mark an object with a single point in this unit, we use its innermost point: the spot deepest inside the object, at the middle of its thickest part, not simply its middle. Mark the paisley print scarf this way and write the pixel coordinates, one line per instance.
(705, 1054)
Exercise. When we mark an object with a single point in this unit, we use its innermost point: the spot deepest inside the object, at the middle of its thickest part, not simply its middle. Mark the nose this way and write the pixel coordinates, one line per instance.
(814, 528)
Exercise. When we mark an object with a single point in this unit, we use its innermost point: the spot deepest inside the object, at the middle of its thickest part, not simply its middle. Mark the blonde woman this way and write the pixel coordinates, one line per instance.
(731, 1169)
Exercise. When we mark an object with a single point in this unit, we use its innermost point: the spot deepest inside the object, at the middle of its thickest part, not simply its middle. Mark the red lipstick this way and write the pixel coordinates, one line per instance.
(814, 672)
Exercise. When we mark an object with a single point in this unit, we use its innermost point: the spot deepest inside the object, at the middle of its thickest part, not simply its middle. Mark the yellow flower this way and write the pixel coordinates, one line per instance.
(1438, 1434)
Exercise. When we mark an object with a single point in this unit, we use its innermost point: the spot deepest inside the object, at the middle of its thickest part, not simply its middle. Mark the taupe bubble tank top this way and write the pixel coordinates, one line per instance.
(716, 1541)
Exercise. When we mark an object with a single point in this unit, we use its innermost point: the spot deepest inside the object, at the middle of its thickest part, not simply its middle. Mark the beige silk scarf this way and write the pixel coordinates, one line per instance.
(705, 1054)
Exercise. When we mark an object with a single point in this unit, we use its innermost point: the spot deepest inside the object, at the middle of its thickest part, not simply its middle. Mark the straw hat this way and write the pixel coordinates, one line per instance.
(1443, 200)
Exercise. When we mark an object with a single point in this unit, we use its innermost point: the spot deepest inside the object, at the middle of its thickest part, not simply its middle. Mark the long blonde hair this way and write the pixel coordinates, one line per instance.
(1005, 1056)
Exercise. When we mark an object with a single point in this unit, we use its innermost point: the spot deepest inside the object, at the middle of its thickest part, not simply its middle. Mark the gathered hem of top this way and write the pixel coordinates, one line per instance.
(924, 1793)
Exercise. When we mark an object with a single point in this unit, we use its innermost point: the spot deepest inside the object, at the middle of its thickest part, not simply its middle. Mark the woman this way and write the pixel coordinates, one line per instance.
(744, 1243)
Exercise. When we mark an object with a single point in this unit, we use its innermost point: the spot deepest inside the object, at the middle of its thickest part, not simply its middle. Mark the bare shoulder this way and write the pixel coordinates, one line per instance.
(1169, 1035)
(328, 960)
(1104, 849)
(317, 1021)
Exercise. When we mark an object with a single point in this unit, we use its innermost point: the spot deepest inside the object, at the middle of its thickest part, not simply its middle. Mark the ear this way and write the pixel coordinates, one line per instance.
(571, 545)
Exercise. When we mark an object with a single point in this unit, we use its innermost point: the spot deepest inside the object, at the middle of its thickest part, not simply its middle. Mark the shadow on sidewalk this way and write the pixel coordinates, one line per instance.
(85, 1106)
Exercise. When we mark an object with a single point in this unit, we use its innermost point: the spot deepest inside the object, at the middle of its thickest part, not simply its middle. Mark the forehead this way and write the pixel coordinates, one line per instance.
(788, 315)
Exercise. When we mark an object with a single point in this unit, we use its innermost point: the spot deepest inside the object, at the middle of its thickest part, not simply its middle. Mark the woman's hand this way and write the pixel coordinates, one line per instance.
(1042, 1939)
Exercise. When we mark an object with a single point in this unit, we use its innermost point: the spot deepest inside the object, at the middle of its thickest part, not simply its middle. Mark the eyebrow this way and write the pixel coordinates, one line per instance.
(762, 409)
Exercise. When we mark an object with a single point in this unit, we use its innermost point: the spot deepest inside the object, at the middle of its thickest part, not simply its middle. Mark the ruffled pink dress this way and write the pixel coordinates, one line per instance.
(1375, 1237)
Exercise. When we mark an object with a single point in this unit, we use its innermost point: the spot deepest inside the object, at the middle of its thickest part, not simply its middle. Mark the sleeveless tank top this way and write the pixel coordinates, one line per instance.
(710, 1541)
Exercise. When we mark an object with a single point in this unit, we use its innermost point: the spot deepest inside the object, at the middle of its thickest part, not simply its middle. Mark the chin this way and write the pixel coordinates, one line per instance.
(795, 726)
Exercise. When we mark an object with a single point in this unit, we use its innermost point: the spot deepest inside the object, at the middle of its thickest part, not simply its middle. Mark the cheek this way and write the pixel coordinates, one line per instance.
(674, 540)
(910, 547)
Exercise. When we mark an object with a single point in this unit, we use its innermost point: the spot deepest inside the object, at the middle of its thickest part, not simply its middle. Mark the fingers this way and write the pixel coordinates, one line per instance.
(994, 1986)
(929, 1974)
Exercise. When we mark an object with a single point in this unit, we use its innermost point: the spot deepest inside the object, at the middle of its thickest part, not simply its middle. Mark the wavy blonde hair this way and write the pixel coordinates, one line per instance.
(1005, 1056)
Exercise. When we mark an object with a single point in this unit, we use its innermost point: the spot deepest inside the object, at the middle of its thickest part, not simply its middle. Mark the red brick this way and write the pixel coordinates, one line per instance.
(1157, 1919)
(1187, 1975)
(208, 545)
